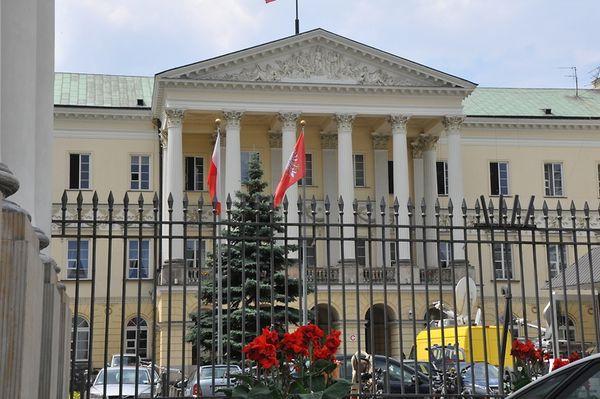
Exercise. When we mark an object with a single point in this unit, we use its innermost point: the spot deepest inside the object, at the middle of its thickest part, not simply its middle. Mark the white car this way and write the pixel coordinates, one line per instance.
(114, 377)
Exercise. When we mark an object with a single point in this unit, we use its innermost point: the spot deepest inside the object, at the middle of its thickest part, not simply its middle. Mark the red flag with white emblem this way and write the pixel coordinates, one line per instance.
(294, 169)
(214, 175)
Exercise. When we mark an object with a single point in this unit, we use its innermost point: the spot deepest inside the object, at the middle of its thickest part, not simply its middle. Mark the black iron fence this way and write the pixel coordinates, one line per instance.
(163, 293)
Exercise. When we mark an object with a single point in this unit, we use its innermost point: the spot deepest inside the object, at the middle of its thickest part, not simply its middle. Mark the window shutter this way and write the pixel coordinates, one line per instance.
(441, 181)
(74, 171)
(494, 178)
(189, 173)
(391, 177)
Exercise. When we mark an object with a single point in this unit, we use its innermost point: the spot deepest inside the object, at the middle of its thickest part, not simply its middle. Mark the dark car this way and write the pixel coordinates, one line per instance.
(398, 374)
(481, 385)
(580, 379)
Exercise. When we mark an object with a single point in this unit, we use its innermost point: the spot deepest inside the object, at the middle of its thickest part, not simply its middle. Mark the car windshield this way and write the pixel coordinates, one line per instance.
(220, 372)
(479, 370)
(127, 361)
(114, 377)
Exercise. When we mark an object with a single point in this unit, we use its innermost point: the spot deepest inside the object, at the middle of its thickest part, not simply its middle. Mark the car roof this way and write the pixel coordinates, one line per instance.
(141, 368)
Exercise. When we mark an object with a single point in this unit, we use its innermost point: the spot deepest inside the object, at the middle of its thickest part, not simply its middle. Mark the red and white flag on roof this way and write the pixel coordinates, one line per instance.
(294, 169)
(214, 175)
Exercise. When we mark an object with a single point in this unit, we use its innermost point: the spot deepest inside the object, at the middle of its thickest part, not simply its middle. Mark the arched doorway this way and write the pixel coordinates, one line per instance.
(378, 330)
(325, 316)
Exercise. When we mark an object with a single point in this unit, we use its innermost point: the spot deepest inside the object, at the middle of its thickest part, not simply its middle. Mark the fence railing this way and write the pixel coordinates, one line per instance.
(402, 284)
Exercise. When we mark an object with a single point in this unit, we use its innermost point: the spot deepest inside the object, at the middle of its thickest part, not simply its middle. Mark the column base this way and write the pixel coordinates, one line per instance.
(8, 182)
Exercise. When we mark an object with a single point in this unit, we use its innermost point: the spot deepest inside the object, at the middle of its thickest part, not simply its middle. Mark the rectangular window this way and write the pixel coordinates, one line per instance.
(194, 173)
(140, 172)
(392, 256)
(553, 179)
(502, 256)
(245, 159)
(499, 178)
(445, 253)
(308, 172)
(557, 258)
(442, 177)
(361, 252)
(195, 253)
(84, 246)
(79, 171)
(139, 251)
(311, 252)
(359, 170)
(391, 177)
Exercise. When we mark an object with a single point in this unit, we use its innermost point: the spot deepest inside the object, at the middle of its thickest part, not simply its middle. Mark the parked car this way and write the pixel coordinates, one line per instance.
(480, 387)
(580, 379)
(223, 375)
(128, 360)
(114, 378)
(409, 378)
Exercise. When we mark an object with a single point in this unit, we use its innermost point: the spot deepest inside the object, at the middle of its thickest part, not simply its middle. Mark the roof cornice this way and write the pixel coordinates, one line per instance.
(531, 123)
(69, 112)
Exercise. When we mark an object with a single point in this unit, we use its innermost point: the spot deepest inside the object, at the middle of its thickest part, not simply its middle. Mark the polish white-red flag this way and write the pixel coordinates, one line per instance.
(294, 169)
(214, 175)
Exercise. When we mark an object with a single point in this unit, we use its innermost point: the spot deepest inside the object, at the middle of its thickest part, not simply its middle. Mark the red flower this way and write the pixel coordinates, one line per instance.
(558, 363)
(323, 353)
(262, 349)
(311, 334)
(332, 341)
(293, 344)
(573, 357)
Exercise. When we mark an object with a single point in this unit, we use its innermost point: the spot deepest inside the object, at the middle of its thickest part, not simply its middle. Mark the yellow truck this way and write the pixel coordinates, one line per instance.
(477, 334)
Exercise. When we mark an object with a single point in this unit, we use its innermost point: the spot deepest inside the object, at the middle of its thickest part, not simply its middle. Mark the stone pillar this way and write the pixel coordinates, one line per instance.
(380, 151)
(455, 179)
(330, 183)
(233, 158)
(401, 186)
(288, 140)
(175, 178)
(417, 154)
(428, 143)
(346, 176)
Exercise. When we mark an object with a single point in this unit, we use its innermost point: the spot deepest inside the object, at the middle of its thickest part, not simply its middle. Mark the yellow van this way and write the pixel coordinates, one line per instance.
(477, 332)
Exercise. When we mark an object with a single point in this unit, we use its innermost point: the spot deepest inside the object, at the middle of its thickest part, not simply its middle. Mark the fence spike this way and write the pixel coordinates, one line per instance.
(436, 207)
(423, 205)
(111, 200)
(79, 200)
(396, 205)
(573, 208)
(299, 202)
(271, 203)
(341, 204)
(450, 207)
(369, 205)
(586, 209)
(285, 203)
(95, 201)
(517, 206)
(155, 200)
(170, 201)
(185, 201)
(313, 204)
(491, 207)
(355, 205)
(141, 201)
(200, 202)
(545, 208)
(125, 201)
(559, 208)
(410, 206)
(228, 201)
(327, 204)
(64, 199)
(477, 207)
(463, 207)
(503, 207)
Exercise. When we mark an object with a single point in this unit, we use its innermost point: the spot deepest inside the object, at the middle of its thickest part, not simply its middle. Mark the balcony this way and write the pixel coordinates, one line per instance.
(174, 274)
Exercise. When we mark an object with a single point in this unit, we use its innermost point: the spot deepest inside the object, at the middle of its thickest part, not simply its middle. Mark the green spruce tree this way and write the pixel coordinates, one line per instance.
(252, 232)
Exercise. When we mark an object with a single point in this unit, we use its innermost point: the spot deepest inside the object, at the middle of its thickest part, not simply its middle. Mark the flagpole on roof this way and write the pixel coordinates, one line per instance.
(304, 265)
(219, 266)
(297, 23)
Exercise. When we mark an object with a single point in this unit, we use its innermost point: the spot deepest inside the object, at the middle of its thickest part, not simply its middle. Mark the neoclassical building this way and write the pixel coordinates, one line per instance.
(377, 126)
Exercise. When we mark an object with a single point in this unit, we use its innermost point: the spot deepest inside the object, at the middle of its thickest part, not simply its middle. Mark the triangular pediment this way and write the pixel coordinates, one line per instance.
(316, 57)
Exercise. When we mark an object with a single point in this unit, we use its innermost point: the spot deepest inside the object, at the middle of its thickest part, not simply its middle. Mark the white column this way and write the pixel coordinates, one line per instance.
(455, 179)
(380, 151)
(430, 192)
(233, 161)
(417, 154)
(163, 148)
(175, 176)
(401, 186)
(346, 176)
(275, 145)
(330, 183)
(288, 140)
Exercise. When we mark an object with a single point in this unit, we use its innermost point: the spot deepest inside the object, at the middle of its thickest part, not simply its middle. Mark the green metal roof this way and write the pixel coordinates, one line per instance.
(498, 102)
(90, 90)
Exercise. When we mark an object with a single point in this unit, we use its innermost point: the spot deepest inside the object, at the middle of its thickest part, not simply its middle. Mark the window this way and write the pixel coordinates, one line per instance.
(79, 171)
(557, 258)
(445, 253)
(311, 252)
(499, 178)
(140, 172)
(361, 252)
(442, 177)
(82, 340)
(566, 328)
(195, 253)
(308, 172)
(391, 177)
(392, 256)
(359, 170)
(245, 159)
(134, 341)
(553, 179)
(72, 258)
(194, 173)
(138, 251)
(502, 254)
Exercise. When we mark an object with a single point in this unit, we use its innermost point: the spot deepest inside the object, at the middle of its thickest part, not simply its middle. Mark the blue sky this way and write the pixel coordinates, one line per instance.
(508, 43)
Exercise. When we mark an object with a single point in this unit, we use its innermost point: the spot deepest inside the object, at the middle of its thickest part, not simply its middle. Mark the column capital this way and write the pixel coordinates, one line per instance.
(344, 121)
(275, 139)
(380, 141)
(452, 123)
(174, 117)
(289, 119)
(398, 122)
(328, 141)
(232, 118)
(424, 142)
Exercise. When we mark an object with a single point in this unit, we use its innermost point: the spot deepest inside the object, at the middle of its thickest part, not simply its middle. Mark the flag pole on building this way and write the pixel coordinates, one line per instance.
(304, 264)
(297, 21)
(214, 181)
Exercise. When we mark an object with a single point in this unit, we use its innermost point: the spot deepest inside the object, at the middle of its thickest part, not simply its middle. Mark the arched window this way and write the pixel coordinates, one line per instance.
(133, 341)
(566, 328)
(82, 340)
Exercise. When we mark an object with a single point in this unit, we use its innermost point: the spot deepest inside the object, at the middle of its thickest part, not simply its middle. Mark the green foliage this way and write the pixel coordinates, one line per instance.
(253, 250)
